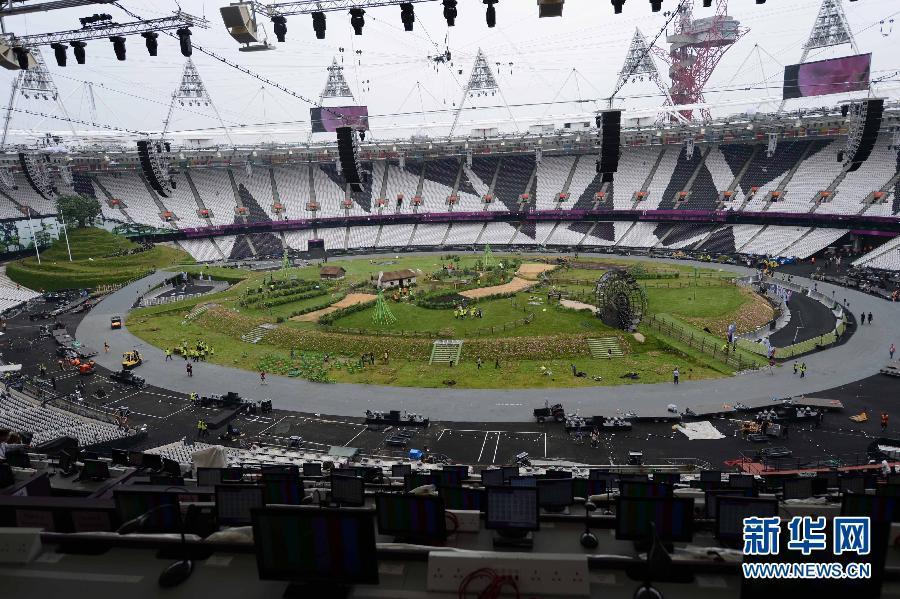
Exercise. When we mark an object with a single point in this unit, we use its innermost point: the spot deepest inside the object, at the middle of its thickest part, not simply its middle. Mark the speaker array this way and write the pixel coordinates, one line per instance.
(610, 125)
(346, 137)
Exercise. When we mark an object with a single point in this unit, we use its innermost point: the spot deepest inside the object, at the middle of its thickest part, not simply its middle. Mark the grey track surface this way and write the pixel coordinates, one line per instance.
(860, 356)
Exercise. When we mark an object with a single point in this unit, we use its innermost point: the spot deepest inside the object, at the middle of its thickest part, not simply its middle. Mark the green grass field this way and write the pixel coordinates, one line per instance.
(93, 263)
(550, 344)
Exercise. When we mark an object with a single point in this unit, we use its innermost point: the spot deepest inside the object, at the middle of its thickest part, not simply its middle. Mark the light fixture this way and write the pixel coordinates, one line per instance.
(450, 12)
(319, 24)
(118, 43)
(707, 3)
(78, 50)
(184, 38)
(490, 15)
(59, 50)
(655, 5)
(151, 39)
(21, 57)
(279, 25)
(617, 6)
(357, 21)
(407, 15)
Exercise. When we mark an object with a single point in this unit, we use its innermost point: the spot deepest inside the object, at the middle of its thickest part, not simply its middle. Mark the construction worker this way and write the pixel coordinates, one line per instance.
(168, 354)
(193, 397)
(200, 427)
(803, 370)
(105, 347)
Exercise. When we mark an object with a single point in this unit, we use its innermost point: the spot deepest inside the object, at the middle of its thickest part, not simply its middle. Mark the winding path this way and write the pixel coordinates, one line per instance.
(860, 356)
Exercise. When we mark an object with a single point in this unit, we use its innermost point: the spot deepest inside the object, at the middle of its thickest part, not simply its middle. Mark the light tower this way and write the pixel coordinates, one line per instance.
(695, 49)
(481, 82)
(336, 86)
(192, 91)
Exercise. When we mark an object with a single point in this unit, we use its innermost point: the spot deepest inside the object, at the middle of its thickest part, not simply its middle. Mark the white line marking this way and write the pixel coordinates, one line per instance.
(496, 447)
(270, 426)
(478, 459)
(361, 431)
(442, 434)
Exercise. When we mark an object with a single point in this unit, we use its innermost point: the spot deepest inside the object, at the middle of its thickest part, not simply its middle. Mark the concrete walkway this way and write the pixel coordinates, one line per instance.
(861, 356)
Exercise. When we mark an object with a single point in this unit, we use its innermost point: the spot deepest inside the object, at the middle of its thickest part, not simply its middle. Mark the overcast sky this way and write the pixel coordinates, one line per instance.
(549, 70)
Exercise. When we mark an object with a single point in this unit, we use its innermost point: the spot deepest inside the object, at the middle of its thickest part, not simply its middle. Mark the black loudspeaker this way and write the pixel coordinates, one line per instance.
(874, 111)
(610, 122)
(145, 150)
(347, 154)
(316, 248)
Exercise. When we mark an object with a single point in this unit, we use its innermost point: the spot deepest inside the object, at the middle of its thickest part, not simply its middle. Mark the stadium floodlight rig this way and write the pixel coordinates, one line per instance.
(192, 91)
(94, 29)
(638, 65)
(481, 81)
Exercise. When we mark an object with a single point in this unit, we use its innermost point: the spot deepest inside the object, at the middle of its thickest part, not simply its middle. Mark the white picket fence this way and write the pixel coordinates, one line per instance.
(169, 299)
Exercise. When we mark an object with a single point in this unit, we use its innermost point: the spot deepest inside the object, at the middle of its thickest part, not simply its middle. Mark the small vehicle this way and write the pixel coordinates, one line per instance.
(131, 359)
(127, 377)
(87, 367)
(115, 322)
(554, 412)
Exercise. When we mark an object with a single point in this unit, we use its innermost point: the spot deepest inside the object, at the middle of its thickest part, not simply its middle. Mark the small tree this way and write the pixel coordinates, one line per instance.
(78, 209)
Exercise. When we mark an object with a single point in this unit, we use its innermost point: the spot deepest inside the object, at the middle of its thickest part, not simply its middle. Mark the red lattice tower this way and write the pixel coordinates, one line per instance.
(695, 49)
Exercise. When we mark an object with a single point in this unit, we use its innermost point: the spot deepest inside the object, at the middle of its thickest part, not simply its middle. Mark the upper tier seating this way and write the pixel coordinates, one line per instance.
(48, 423)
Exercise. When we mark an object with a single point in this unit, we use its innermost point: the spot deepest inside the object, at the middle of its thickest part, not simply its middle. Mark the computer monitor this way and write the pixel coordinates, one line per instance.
(94, 470)
(669, 478)
(400, 470)
(796, 488)
(832, 477)
(852, 484)
(447, 478)
(512, 509)
(166, 480)
(151, 461)
(120, 457)
(463, 471)
(731, 511)
(234, 502)
(347, 490)
(879, 508)
(630, 488)
(161, 511)
(509, 471)
(634, 476)
(740, 481)
(610, 479)
(492, 477)
(349, 471)
(584, 488)
(557, 474)
(171, 467)
(819, 486)
(418, 518)
(416, 480)
(209, 477)
(555, 494)
(522, 481)
(312, 469)
(320, 547)
(280, 470)
(462, 498)
(710, 498)
(282, 490)
(710, 476)
(673, 518)
(136, 459)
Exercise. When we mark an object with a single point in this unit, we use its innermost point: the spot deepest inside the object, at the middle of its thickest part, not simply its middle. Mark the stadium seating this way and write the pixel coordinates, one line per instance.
(217, 195)
(201, 250)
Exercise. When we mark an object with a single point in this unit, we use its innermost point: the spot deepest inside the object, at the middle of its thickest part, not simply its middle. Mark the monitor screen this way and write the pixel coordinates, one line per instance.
(95, 469)
(796, 488)
(416, 480)
(463, 471)
(878, 507)
(283, 490)
(711, 495)
(831, 477)
(401, 470)
(512, 508)
(347, 490)
(447, 478)
(152, 461)
(312, 469)
(316, 545)
(159, 517)
(523, 481)
(171, 467)
(610, 479)
(635, 476)
(852, 484)
(280, 470)
(628, 488)
(411, 516)
(731, 511)
(710, 476)
(234, 502)
(509, 471)
(136, 459)
(120, 457)
(672, 517)
(740, 481)
(585, 488)
(555, 493)
(492, 477)
(462, 498)
(558, 474)
(209, 477)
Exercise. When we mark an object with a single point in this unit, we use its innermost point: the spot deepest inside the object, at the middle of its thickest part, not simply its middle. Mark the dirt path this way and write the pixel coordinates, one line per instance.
(351, 300)
(578, 305)
(518, 283)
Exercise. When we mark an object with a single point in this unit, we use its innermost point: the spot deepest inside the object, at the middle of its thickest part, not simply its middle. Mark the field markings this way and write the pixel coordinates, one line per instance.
(496, 447)
(478, 459)
(274, 424)
(362, 430)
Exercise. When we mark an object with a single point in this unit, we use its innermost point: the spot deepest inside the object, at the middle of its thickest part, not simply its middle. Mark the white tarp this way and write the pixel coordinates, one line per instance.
(700, 430)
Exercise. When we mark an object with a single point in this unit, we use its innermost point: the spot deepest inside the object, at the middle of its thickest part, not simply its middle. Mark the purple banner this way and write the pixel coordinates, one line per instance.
(328, 119)
(834, 76)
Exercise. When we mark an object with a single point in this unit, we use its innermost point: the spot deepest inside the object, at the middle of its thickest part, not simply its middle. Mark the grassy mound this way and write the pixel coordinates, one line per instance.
(94, 262)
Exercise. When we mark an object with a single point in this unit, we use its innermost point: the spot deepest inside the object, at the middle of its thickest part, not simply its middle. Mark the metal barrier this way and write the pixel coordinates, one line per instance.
(718, 349)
